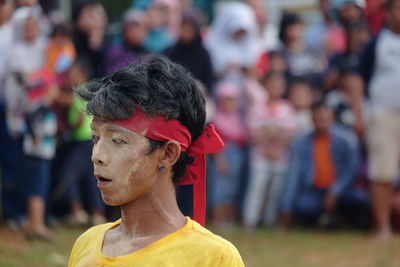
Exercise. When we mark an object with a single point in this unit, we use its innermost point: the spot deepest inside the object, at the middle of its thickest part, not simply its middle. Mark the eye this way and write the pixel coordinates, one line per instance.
(95, 139)
(118, 141)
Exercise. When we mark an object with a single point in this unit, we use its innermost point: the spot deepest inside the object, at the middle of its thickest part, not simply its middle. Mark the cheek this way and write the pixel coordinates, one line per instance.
(136, 175)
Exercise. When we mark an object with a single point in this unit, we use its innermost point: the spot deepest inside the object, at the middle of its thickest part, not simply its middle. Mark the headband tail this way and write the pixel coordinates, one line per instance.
(199, 192)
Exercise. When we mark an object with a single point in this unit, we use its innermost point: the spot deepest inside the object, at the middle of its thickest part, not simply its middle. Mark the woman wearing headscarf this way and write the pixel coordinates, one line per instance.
(189, 51)
(134, 31)
(29, 118)
(233, 42)
(90, 22)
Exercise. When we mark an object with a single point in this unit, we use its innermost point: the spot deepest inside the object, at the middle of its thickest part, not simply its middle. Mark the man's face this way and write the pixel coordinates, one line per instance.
(322, 118)
(124, 169)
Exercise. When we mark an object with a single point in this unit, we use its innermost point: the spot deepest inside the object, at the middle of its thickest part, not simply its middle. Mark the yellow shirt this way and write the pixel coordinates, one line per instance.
(192, 245)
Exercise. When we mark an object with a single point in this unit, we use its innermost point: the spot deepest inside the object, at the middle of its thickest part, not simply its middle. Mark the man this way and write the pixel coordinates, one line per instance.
(380, 68)
(321, 175)
(148, 124)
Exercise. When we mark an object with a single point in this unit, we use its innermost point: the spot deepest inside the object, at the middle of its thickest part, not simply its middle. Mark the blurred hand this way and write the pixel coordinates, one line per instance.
(330, 202)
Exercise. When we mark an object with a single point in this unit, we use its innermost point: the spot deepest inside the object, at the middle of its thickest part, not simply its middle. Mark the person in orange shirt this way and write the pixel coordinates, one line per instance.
(60, 49)
(320, 181)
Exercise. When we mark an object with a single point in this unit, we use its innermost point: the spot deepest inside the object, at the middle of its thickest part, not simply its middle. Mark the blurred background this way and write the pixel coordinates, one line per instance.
(305, 94)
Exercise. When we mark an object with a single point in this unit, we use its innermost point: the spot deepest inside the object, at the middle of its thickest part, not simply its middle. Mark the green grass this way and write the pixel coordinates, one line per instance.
(261, 248)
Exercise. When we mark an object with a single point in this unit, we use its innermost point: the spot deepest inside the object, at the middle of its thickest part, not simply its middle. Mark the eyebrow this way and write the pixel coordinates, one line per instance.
(115, 128)
(109, 128)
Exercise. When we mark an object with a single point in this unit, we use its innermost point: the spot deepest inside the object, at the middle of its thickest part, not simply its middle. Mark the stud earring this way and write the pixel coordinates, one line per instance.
(161, 168)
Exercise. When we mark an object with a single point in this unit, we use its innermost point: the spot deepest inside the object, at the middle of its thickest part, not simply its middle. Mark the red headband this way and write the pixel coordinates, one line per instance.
(161, 129)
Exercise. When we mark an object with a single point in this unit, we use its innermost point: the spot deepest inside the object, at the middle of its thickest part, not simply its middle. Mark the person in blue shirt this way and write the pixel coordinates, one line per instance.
(321, 178)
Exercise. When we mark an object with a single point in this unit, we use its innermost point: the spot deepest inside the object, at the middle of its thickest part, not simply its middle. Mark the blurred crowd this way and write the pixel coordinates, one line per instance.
(309, 113)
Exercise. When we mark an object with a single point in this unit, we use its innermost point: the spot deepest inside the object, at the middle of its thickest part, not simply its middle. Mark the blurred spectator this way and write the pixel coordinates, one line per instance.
(349, 11)
(320, 179)
(90, 22)
(301, 97)
(270, 128)
(171, 14)
(39, 149)
(6, 39)
(76, 174)
(158, 38)
(233, 42)
(27, 56)
(189, 50)
(225, 172)
(357, 36)
(134, 31)
(344, 101)
(267, 31)
(60, 49)
(326, 35)
(380, 67)
(27, 91)
(301, 60)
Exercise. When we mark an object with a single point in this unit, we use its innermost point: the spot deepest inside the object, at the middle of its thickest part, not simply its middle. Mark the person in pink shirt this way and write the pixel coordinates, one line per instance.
(270, 127)
(226, 166)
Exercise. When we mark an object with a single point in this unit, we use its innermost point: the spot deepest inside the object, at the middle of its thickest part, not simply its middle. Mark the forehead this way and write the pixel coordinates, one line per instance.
(102, 125)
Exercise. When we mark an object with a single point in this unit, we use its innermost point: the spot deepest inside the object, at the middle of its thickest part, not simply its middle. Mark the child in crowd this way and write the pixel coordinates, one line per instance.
(348, 104)
(76, 173)
(301, 97)
(270, 129)
(225, 173)
(39, 149)
(60, 49)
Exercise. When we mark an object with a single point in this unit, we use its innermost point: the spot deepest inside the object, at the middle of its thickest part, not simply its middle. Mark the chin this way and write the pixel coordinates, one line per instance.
(110, 201)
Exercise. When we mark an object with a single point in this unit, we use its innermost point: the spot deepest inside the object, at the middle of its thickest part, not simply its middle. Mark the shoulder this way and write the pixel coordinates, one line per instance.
(214, 246)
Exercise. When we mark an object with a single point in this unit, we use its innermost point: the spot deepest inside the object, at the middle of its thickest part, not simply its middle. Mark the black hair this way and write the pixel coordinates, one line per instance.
(287, 20)
(155, 85)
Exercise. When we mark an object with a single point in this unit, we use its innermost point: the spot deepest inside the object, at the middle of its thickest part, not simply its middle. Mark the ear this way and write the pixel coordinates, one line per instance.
(171, 151)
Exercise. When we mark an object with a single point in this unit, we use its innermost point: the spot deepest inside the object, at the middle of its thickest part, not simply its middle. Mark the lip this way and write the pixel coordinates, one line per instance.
(101, 181)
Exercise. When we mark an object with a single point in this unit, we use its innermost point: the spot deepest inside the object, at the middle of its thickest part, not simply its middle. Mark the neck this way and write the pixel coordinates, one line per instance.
(320, 132)
(154, 214)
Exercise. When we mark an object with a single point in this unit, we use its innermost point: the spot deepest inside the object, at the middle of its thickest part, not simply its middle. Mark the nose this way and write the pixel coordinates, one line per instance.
(99, 155)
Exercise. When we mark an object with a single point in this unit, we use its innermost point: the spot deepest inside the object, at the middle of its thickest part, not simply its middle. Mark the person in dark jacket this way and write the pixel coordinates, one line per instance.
(189, 50)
